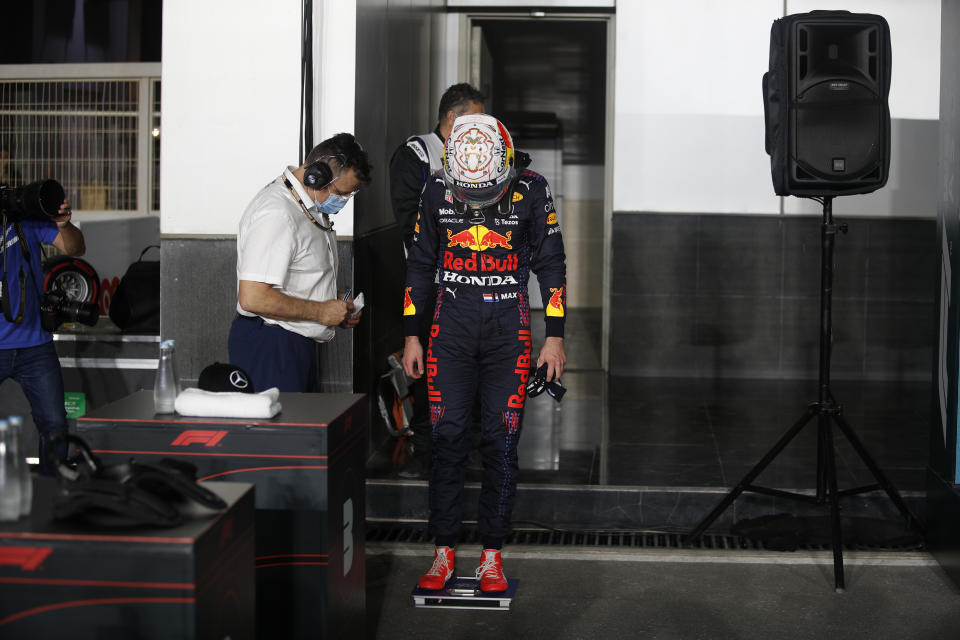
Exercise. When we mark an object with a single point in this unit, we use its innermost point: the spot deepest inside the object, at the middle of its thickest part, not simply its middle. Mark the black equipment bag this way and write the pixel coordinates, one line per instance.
(134, 493)
(136, 303)
(825, 103)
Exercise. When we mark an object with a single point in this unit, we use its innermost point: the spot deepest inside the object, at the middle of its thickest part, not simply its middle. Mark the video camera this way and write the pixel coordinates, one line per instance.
(39, 200)
(56, 308)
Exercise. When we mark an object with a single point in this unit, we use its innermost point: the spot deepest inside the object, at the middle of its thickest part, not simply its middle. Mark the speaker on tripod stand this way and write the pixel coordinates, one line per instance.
(827, 134)
(825, 104)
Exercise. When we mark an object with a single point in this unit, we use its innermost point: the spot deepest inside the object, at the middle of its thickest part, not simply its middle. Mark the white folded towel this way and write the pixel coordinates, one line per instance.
(228, 404)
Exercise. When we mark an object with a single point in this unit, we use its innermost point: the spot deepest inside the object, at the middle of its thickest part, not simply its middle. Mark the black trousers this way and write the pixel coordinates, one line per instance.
(476, 347)
(273, 356)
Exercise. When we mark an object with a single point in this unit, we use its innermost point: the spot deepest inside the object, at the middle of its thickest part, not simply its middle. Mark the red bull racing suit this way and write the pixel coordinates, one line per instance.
(480, 337)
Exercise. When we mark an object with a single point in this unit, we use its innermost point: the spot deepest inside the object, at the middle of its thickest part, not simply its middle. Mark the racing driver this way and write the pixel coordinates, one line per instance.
(482, 226)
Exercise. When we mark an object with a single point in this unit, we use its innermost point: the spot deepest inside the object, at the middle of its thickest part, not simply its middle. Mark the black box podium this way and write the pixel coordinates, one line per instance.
(69, 579)
(307, 463)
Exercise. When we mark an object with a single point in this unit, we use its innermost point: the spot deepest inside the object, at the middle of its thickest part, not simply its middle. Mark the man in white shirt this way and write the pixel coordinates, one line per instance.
(287, 298)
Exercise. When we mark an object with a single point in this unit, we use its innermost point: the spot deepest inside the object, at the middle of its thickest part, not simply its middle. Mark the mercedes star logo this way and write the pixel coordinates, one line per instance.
(238, 380)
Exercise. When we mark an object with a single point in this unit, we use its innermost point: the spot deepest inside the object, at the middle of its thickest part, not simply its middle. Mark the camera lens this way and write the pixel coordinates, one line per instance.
(74, 311)
(38, 200)
(87, 313)
(57, 309)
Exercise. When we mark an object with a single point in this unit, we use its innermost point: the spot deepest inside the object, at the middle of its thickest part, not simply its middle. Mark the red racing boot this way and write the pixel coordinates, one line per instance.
(490, 572)
(441, 570)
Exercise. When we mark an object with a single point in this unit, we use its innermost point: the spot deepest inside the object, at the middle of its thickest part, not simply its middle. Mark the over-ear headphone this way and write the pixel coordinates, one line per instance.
(318, 173)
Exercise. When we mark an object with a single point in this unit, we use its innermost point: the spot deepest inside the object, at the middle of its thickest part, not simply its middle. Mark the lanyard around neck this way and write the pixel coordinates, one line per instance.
(5, 303)
(316, 223)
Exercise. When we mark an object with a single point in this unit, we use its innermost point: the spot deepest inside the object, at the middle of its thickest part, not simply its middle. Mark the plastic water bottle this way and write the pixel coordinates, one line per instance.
(26, 482)
(167, 384)
(9, 474)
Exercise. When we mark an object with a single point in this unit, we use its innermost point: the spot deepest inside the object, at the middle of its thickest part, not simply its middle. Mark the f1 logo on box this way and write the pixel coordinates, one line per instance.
(192, 436)
(27, 558)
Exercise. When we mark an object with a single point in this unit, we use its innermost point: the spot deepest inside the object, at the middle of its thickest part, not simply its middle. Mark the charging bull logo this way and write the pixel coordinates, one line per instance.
(555, 305)
(408, 308)
(479, 238)
(463, 239)
(492, 239)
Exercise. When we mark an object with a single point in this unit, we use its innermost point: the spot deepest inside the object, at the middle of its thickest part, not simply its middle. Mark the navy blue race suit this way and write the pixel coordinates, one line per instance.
(480, 336)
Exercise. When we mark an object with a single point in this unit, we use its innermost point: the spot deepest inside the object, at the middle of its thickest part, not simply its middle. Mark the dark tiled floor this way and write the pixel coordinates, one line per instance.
(632, 431)
(588, 594)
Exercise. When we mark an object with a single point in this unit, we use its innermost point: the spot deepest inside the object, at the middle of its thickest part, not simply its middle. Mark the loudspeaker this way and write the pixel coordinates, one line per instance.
(825, 103)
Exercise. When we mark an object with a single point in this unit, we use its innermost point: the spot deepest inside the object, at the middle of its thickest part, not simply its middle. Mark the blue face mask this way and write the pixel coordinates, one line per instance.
(332, 204)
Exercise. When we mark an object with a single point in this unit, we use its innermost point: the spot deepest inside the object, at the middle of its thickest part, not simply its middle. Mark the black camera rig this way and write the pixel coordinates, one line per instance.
(35, 201)
(39, 200)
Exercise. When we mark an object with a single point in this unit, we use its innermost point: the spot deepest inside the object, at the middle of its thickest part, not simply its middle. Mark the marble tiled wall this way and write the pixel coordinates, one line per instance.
(739, 296)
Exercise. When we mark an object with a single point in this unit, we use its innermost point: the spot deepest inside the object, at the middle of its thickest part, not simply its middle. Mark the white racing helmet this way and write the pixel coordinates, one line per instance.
(479, 163)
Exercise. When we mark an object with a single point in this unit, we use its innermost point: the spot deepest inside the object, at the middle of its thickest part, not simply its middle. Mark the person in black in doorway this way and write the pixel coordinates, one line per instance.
(421, 155)
(411, 165)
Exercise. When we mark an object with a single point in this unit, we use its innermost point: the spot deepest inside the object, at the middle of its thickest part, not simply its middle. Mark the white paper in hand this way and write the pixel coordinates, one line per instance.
(357, 304)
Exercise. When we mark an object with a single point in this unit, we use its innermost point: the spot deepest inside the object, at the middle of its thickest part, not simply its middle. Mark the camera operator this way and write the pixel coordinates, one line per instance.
(8, 174)
(27, 354)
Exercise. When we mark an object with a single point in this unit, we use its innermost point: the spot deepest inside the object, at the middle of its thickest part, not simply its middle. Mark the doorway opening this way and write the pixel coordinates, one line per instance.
(546, 78)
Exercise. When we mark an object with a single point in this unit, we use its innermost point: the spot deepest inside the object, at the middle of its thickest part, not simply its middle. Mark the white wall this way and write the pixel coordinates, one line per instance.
(230, 103)
(688, 113)
(689, 134)
(334, 83)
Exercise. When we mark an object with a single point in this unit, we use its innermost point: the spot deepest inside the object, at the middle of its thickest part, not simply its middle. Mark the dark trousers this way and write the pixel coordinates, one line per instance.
(37, 371)
(476, 347)
(273, 356)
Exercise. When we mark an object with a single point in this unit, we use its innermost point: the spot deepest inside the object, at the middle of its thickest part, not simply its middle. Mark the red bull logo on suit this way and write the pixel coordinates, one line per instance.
(522, 369)
(509, 262)
(478, 238)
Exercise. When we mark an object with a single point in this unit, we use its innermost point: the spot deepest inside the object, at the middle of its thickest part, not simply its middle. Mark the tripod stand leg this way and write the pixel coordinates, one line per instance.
(821, 464)
(882, 480)
(830, 470)
(751, 476)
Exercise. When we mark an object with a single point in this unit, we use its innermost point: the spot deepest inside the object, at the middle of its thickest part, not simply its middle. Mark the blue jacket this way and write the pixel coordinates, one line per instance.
(27, 333)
